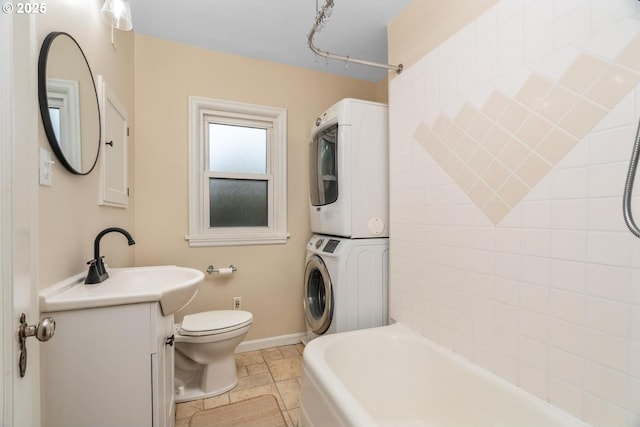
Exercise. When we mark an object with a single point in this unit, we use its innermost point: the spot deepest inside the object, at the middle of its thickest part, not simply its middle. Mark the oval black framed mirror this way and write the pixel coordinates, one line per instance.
(69, 103)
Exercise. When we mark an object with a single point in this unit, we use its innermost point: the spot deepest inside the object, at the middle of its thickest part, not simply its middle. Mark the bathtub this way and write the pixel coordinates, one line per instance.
(392, 377)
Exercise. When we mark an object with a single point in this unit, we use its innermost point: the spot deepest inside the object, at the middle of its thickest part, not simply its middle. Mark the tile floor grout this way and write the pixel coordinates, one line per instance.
(276, 371)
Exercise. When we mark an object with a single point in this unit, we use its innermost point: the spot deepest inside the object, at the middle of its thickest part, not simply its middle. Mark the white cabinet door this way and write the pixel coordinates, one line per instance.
(163, 381)
(114, 182)
(97, 371)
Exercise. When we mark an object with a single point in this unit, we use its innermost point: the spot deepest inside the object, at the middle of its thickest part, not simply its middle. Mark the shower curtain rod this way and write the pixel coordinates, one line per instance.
(320, 18)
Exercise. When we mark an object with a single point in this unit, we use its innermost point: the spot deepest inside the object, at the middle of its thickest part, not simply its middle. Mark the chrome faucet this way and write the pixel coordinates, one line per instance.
(97, 272)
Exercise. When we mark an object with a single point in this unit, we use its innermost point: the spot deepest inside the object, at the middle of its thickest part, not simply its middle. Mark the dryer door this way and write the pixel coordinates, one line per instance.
(318, 296)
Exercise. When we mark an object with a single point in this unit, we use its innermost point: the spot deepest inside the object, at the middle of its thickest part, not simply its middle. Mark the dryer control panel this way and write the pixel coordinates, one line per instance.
(324, 244)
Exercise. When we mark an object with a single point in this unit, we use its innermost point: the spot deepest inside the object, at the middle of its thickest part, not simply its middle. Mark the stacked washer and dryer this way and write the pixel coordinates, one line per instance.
(347, 263)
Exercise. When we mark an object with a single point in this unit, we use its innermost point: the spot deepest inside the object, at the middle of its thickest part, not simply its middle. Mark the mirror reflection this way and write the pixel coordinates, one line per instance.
(69, 103)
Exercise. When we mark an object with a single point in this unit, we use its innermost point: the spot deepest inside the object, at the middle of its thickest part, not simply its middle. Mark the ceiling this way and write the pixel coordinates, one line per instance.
(276, 30)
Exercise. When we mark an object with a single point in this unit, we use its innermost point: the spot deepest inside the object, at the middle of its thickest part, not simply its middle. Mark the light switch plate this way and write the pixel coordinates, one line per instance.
(46, 168)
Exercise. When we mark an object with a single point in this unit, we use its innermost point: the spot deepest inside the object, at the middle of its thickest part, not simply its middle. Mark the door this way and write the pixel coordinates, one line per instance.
(19, 397)
(318, 296)
(114, 186)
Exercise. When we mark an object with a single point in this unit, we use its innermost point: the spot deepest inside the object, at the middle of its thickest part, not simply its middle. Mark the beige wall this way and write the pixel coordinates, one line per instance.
(424, 24)
(70, 216)
(269, 277)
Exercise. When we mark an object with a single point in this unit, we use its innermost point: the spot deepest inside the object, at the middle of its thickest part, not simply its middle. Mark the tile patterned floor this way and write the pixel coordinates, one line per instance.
(276, 371)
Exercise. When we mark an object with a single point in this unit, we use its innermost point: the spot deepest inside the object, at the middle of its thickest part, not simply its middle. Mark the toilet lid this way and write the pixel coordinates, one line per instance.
(214, 322)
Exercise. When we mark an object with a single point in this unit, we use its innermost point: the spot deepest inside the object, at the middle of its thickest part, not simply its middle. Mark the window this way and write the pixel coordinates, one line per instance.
(237, 173)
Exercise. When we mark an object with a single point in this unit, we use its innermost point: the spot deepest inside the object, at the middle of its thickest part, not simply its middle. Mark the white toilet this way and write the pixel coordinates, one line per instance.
(205, 364)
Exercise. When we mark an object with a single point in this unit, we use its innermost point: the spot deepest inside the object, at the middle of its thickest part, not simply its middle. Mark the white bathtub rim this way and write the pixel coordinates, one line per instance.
(334, 391)
(352, 410)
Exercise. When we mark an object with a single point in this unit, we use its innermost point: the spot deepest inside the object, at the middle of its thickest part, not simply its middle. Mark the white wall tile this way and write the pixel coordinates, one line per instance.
(547, 298)
(567, 275)
(573, 26)
(607, 350)
(565, 396)
(569, 245)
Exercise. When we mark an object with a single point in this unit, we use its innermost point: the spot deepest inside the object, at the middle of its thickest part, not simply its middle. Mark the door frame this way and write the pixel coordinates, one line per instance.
(19, 129)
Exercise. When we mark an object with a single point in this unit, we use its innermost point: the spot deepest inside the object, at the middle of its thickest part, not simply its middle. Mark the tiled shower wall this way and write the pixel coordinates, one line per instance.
(510, 144)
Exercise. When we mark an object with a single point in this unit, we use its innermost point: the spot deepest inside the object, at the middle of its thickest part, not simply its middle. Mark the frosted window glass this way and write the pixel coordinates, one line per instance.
(238, 203)
(237, 149)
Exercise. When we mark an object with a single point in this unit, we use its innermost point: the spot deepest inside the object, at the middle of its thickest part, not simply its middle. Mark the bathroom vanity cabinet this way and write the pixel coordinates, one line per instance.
(109, 366)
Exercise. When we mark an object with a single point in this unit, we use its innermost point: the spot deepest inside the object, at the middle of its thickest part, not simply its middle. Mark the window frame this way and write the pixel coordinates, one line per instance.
(201, 111)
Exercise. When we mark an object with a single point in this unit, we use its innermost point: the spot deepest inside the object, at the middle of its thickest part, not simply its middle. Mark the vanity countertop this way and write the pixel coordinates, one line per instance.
(173, 286)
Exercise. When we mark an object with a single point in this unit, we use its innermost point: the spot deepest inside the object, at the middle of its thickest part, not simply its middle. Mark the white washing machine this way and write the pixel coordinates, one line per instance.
(346, 285)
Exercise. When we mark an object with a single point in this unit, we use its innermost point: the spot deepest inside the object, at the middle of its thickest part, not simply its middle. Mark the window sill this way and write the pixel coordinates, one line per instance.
(235, 240)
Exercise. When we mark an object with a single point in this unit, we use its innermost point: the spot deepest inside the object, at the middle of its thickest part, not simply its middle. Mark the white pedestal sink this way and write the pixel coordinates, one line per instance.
(172, 286)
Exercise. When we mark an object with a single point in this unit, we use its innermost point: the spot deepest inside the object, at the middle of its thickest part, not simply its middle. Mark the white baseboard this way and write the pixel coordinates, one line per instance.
(262, 343)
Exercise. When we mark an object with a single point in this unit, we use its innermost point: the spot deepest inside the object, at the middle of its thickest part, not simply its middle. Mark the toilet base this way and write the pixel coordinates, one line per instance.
(207, 381)
(194, 392)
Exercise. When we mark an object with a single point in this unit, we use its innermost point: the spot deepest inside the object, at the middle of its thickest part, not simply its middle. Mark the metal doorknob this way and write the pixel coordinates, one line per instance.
(43, 331)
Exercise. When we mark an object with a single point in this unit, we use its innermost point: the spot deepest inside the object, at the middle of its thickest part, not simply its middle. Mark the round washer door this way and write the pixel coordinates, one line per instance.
(318, 296)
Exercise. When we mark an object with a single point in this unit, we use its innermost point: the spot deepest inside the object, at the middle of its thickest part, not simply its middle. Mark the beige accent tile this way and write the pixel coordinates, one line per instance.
(513, 154)
(284, 369)
(466, 179)
(513, 191)
(480, 127)
(480, 160)
(453, 136)
(583, 72)
(533, 130)
(557, 103)
(441, 154)
(495, 140)
(630, 56)
(453, 166)
(290, 392)
(465, 148)
(442, 125)
(556, 145)
(496, 174)
(533, 91)
(613, 85)
(495, 106)
(514, 116)
(533, 169)
(431, 143)
(480, 193)
(466, 116)
(214, 402)
(289, 351)
(496, 209)
(183, 422)
(421, 133)
(583, 116)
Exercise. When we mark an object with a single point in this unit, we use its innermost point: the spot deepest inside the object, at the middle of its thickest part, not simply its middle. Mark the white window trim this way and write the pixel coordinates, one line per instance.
(199, 232)
(65, 95)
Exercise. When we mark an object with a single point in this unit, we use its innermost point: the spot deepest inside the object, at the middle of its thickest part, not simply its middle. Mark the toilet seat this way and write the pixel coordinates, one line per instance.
(214, 322)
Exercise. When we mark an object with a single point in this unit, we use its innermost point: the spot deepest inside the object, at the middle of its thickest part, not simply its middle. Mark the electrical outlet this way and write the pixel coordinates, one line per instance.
(237, 302)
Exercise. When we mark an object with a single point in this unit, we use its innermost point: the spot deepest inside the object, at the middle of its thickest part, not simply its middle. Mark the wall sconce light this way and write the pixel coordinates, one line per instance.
(117, 13)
